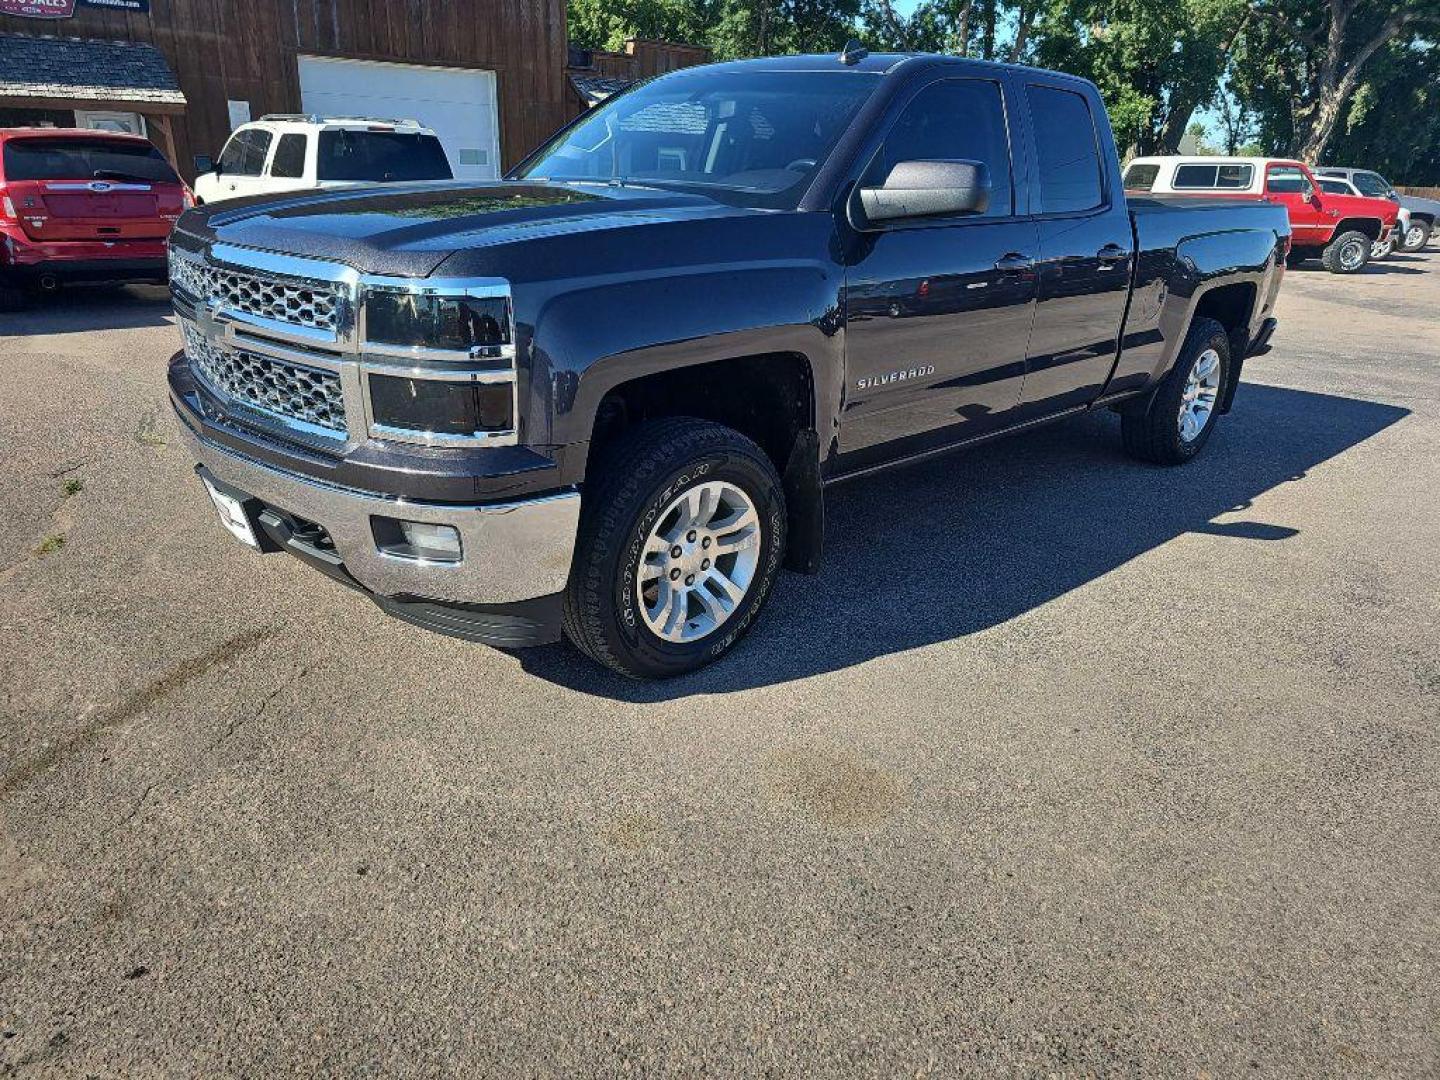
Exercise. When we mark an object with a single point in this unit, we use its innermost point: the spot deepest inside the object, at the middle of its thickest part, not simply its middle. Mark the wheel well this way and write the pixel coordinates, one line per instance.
(1229, 305)
(768, 397)
(1421, 215)
(1369, 226)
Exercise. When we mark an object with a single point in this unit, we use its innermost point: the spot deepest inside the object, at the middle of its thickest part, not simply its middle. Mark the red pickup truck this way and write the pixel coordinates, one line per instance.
(1339, 230)
(82, 206)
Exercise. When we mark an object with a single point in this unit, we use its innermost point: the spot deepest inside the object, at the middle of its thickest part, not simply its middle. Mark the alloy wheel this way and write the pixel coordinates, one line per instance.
(698, 562)
(1202, 391)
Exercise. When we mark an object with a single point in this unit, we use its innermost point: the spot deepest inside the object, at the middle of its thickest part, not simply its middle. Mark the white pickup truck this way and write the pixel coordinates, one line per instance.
(283, 152)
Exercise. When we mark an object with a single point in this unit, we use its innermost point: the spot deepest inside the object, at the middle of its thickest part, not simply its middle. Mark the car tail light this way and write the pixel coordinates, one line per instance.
(187, 197)
(7, 208)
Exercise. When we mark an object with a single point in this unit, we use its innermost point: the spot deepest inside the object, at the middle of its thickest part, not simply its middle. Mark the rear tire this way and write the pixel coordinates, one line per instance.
(673, 485)
(1417, 236)
(1347, 253)
(1158, 431)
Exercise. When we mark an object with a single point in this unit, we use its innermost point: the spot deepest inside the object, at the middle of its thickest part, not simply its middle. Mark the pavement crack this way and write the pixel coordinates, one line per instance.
(149, 695)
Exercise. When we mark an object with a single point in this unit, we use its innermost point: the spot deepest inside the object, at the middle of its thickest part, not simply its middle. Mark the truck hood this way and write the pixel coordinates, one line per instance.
(410, 230)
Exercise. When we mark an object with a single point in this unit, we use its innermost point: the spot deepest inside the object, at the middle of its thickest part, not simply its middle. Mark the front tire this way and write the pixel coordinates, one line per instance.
(681, 538)
(1347, 253)
(1176, 423)
(1417, 236)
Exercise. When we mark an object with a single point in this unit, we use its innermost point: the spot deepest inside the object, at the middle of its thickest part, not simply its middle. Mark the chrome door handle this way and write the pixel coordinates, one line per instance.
(1111, 254)
(1014, 263)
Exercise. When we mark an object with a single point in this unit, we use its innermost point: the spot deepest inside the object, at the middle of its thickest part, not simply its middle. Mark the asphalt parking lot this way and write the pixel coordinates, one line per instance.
(1064, 765)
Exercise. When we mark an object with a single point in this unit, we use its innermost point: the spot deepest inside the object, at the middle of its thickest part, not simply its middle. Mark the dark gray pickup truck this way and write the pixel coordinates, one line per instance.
(606, 395)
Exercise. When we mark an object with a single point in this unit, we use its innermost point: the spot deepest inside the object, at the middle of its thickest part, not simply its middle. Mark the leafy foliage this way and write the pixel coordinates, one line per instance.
(1322, 79)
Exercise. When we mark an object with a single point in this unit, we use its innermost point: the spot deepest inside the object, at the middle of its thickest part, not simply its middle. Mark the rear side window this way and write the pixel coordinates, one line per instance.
(1333, 187)
(1141, 177)
(289, 160)
(84, 158)
(956, 118)
(381, 155)
(1219, 177)
(245, 153)
(1067, 151)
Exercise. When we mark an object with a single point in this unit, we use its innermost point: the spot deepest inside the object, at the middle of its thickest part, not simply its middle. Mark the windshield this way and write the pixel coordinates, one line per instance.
(751, 140)
(381, 155)
(1371, 183)
(81, 158)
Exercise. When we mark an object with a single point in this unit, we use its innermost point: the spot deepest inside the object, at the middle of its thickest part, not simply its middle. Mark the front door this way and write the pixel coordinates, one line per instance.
(1310, 222)
(242, 164)
(938, 311)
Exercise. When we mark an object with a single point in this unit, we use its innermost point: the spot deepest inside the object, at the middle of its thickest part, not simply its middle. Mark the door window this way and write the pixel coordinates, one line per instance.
(953, 119)
(1067, 151)
(1372, 184)
(245, 153)
(289, 160)
(1289, 180)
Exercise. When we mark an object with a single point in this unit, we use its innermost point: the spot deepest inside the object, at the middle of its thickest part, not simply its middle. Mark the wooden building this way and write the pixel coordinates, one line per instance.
(488, 75)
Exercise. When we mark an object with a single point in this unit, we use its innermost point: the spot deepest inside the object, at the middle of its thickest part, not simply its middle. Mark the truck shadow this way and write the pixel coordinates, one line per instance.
(936, 551)
(84, 309)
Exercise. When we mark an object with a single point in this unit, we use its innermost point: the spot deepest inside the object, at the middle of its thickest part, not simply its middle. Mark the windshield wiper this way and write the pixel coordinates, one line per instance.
(115, 174)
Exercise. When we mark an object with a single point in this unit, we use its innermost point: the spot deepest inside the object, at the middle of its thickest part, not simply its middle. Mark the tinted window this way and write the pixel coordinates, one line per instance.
(1333, 187)
(956, 118)
(381, 155)
(84, 158)
(1195, 176)
(289, 160)
(1234, 177)
(1141, 177)
(1371, 183)
(245, 152)
(1068, 154)
(752, 141)
(1288, 180)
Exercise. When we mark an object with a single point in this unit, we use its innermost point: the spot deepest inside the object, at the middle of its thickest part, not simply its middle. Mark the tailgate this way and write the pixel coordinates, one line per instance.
(90, 210)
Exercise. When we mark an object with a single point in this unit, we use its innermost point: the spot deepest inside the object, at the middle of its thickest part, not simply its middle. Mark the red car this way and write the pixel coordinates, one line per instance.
(82, 206)
(1339, 230)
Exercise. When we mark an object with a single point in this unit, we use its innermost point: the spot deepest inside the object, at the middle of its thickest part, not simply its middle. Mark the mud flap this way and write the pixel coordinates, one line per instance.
(804, 505)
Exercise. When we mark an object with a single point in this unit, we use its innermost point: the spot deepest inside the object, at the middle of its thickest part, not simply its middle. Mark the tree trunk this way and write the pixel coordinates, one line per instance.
(987, 41)
(962, 32)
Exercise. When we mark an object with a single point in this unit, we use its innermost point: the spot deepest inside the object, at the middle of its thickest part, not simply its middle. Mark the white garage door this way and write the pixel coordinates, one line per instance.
(459, 104)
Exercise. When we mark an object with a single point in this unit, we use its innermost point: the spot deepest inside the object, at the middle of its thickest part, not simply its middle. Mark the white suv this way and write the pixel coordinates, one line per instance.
(295, 153)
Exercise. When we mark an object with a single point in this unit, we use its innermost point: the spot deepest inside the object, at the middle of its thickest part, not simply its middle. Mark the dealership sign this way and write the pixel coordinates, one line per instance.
(64, 9)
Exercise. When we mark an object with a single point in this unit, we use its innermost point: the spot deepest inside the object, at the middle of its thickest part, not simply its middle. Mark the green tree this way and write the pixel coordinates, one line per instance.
(1155, 61)
(1393, 121)
(1303, 60)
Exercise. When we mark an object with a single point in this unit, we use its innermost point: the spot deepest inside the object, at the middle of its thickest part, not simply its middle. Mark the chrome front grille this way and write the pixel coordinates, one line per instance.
(288, 391)
(314, 305)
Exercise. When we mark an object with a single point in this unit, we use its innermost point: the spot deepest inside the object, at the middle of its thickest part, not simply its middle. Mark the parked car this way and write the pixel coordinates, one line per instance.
(609, 392)
(82, 206)
(1421, 213)
(1340, 230)
(281, 153)
(1381, 249)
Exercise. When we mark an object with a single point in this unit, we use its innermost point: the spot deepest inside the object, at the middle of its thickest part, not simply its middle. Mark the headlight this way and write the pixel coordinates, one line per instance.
(467, 324)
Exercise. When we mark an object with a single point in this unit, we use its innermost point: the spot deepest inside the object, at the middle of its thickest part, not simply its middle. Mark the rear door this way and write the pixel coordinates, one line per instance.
(1310, 222)
(68, 188)
(1086, 249)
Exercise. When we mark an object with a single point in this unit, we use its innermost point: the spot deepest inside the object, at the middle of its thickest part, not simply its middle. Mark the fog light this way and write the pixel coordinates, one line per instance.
(419, 540)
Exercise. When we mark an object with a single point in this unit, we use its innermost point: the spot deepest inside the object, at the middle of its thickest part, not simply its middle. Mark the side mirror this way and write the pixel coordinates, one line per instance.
(204, 164)
(916, 189)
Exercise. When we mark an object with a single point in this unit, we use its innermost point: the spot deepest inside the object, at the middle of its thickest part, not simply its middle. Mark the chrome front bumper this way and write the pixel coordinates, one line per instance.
(511, 552)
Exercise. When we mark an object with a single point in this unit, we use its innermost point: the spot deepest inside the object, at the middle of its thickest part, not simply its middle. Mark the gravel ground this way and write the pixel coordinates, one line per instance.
(1064, 765)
